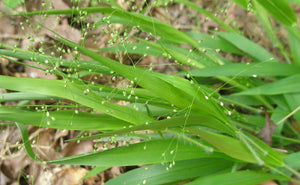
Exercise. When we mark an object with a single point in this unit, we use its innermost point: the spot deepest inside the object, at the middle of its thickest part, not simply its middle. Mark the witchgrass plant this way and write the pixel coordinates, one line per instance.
(191, 131)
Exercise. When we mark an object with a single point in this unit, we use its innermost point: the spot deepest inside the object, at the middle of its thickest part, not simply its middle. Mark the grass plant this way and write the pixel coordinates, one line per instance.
(201, 129)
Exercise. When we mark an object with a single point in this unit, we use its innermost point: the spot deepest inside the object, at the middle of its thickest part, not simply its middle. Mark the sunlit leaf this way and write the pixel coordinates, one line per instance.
(156, 151)
(287, 85)
(247, 69)
(172, 172)
(239, 177)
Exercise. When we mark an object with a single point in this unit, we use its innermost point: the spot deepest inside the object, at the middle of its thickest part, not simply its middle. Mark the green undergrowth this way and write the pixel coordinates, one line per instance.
(208, 124)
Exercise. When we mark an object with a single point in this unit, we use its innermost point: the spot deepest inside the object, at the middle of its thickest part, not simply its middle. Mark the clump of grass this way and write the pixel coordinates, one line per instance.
(192, 123)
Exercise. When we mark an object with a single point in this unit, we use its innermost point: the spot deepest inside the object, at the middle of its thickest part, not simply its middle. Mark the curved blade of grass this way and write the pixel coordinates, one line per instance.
(240, 177)
(139, 96)
(184, 59)
(179, 171)
(294, 43)
(86, 65)
(143, 21)
(26, 141)
(293, 101)
(153, 110)
(290, 84)
(264, 151)
(36, 57)
(263, 17)
(175, 90)
(248, 47)
(184, 56)
(120, 93)
(230, 146)
(197, 119)
(136, 48)
(16, 96)
(212, 42)
(247, 69)
(215, 61)
(142, 95)
(136, 95)
(248, 149)
(155, 151)
(249, 123)
(242, 100)
(280, 10)
(66, 119)
(75, 92)
(293, 161)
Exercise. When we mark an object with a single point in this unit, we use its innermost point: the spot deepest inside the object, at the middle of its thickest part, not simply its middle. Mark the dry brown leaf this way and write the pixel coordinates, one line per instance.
(69, 176)
(4, 179)
(73, 176)
(113, 172)
(44, 177)
(74, 148)
(45, 143)
(267, 131)
(12, 166)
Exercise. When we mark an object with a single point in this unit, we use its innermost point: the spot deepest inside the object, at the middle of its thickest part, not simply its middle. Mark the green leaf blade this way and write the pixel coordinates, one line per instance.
(247, 69)
(239, 177)
(248, 47)
(167, 173)
(155, 151)
(67, 119)
(75, 92)
(280, 10)
(290, 84)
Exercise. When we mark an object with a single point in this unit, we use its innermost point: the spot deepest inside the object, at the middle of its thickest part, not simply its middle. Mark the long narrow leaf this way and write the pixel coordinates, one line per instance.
(287, 85)
(166, 86)
(26, 141)
(247, 69)
(280, 10)
(248, 47)
(63, 119)
(239, 177)
(228, 145)
(75, 92)
(209, 42)
(179, 171)
(264, 19)
(194, 119)
(294, 42)
(156, 151)
(16, 96)
(39, 58)
(249, 149)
